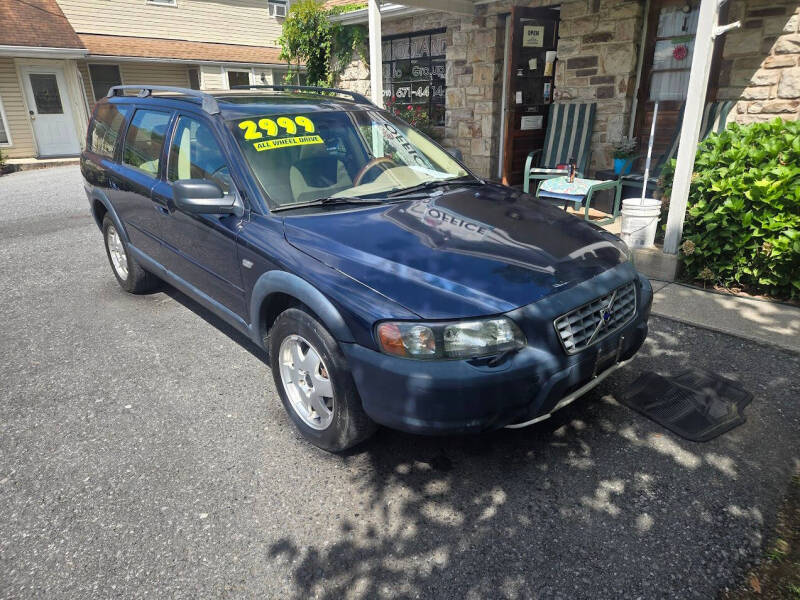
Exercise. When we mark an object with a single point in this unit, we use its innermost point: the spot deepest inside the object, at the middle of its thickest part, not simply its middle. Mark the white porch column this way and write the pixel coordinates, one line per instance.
(375, 53)
(707, 31)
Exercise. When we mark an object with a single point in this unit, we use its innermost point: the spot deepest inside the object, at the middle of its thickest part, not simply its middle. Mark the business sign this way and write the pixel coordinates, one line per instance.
(531, 122)
(533, 36)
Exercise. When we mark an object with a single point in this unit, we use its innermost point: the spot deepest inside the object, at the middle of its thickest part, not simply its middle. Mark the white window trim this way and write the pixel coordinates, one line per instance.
(7, 129)
(169, 3)
(250, 71)
(284, 3)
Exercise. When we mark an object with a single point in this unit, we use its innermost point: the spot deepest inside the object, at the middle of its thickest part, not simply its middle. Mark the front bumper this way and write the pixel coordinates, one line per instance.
(462, 396)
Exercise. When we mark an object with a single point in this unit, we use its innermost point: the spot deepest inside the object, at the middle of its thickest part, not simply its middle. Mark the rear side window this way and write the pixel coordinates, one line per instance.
(195, 154)
(144, 140)
(108, 120)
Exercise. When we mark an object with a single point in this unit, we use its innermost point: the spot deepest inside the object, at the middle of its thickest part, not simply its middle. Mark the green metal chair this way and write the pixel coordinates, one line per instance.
(715, 116)
(568, 135)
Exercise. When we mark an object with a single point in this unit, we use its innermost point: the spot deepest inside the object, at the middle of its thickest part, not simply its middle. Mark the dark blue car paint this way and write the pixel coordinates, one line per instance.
(460, 252)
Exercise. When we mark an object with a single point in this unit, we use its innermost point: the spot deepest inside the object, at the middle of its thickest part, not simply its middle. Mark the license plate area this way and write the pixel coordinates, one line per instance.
(608, 354)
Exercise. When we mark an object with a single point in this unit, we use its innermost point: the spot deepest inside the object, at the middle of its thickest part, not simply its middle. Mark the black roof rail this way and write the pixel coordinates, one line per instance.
(208, 101)
(306, 88)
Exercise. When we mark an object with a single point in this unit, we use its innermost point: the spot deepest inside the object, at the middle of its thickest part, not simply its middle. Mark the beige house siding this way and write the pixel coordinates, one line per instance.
(18, 124)
(214, 76)
(244, 22)
(139, 73)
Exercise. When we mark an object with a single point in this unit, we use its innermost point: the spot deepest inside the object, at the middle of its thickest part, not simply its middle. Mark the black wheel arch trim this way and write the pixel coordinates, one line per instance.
(283, 282)
(97, 195)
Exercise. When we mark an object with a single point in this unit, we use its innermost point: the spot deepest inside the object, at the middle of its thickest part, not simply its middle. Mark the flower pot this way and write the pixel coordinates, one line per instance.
(619, 163)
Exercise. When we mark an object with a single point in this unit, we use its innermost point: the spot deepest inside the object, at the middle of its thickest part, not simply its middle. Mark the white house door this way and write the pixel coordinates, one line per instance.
(49, 107)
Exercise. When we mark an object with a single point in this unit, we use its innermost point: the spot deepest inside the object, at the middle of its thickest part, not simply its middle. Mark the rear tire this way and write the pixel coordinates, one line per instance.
(315, 383)
(130, 275)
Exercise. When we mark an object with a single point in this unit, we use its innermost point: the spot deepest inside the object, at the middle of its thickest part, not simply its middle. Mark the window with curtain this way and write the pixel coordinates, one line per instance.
(414, 70)
(672, 55)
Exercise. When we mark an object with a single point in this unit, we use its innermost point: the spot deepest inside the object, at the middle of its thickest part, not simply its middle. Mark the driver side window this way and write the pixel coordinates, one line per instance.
(195, 154)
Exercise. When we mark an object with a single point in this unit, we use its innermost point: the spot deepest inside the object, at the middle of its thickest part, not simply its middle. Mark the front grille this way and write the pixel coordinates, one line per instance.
(587, 325)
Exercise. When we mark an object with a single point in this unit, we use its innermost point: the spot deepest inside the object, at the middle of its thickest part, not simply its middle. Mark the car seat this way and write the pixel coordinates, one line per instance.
(317, 174)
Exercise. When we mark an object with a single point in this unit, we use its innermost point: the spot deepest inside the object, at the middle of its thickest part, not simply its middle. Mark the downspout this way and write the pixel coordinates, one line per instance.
(639, 67)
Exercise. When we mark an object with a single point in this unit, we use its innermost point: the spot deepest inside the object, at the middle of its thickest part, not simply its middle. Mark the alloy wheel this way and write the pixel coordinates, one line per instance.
(306, 381)
(116, 249)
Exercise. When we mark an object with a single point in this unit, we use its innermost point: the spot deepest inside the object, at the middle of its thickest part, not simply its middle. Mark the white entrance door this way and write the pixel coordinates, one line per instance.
(53, 123)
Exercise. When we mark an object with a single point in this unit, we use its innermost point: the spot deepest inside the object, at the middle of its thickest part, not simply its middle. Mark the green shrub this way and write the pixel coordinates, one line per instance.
(743, 219)
(325, 47)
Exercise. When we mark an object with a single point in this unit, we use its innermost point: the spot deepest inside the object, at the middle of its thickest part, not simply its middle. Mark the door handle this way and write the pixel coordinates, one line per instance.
(33, 114)
(162, 209)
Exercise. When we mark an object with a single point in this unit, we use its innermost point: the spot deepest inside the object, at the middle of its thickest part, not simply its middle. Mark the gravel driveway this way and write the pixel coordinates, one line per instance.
(144, 453)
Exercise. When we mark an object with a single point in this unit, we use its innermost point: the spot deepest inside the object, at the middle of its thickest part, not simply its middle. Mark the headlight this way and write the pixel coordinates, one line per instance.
(461, 339)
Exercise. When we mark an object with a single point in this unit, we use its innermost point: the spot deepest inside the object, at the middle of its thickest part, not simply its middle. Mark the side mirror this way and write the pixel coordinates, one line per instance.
(204, 197)
(456, 153)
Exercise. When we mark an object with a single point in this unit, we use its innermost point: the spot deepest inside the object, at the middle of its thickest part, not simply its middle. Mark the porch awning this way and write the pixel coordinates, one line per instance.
(176, 50)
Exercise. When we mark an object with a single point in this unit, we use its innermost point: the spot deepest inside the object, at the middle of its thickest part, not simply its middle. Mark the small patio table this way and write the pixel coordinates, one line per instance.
(579, 192)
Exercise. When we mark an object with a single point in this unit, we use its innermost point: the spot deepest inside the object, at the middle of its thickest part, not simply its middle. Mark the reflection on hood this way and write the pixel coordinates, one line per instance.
(460, 253)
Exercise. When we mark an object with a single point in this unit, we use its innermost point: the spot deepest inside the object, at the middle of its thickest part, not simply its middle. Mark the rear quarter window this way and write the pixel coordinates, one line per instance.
(106, 128)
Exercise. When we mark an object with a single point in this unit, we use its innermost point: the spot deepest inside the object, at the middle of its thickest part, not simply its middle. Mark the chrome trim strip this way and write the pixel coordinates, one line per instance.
(572, 397)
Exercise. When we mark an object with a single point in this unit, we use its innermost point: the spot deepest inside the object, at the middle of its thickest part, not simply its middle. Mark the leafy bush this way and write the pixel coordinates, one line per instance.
(743, 220)
(325, 47)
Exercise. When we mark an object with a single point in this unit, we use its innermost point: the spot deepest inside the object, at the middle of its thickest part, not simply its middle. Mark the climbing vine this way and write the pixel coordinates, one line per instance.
(325, 47)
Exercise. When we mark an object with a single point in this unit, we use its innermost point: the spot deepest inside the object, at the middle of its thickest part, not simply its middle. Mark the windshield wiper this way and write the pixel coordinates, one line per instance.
(435, 183)
(329, 201)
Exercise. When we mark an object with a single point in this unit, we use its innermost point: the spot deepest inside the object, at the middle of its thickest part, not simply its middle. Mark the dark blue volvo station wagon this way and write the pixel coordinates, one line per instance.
(388, 284)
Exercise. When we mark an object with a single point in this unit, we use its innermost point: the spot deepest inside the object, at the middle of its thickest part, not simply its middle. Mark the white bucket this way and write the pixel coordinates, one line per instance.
(640, 221)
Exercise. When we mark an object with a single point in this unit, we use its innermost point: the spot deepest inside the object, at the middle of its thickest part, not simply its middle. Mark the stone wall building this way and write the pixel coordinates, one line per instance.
(599, 48)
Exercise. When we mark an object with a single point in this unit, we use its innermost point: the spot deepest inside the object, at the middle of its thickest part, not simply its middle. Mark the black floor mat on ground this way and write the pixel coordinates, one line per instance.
(697, 405)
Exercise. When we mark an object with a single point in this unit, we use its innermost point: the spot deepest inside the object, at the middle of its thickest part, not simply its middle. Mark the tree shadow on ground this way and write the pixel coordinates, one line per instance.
(596, 502)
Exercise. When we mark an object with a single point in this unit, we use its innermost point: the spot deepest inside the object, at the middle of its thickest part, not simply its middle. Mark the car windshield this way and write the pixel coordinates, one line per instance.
(302, 158)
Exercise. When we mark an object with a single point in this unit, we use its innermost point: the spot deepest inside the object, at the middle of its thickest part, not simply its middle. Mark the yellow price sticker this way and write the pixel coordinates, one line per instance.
(300, 140)
(256, 131)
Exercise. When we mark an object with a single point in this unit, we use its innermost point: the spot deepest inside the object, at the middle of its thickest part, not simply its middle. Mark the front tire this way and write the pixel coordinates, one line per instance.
(315, 383)
(130, 275)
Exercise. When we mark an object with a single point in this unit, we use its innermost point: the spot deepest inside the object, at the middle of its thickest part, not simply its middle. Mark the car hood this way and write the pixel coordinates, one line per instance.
(467, 252)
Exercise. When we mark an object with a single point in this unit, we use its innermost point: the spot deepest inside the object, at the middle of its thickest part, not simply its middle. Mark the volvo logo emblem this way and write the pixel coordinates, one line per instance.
(605, 314)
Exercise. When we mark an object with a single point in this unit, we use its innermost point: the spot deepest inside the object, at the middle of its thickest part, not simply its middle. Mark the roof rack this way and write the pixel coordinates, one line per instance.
(209, 103)
(306, 88)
